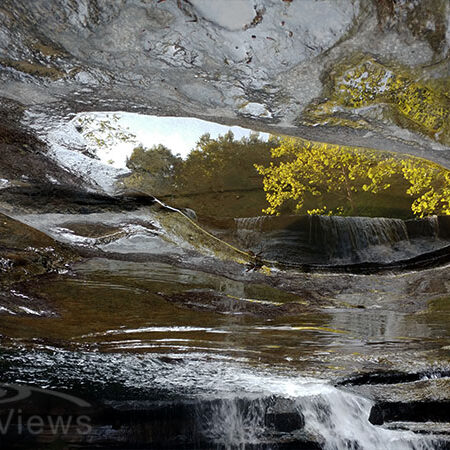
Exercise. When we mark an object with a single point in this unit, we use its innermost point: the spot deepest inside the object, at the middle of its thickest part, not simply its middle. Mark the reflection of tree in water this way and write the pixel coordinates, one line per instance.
(296, 175)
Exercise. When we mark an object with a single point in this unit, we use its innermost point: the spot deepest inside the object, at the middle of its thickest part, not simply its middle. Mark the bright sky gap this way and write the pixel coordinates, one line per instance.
(179, 134)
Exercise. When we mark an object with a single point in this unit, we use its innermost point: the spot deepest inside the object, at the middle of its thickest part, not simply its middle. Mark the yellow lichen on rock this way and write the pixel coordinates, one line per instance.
(371, 82)
(414, 104)
(266, 270)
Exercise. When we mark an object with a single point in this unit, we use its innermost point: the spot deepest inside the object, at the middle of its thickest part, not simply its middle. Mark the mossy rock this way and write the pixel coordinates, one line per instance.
(26, 252)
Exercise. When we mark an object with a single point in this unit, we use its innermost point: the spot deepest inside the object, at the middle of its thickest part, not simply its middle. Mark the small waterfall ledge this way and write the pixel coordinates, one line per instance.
(333, 240)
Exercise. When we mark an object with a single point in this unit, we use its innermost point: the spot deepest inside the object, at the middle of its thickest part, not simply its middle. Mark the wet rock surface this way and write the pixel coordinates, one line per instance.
(27, 254)
(187, 309)
(353, 244)
(278, 72)
(416, 401)
(175, 338)
(162, 424)
(166, 419)
(60, 199)
(22, 157)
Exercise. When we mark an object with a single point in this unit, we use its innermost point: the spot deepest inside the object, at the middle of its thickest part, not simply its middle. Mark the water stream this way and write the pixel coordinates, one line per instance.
(233, 405)
(338, 240)
(229, 358)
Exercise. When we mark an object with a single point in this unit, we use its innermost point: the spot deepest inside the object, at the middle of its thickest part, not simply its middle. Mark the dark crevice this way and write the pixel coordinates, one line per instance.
(392, 377)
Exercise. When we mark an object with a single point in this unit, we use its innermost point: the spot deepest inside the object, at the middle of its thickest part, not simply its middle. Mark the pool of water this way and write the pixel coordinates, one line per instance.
(186, 354)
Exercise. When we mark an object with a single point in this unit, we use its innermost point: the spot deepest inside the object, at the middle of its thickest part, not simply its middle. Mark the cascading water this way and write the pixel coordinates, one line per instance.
(341, 421)
(233, 422)
(233, 381)
(327, 418)
(220, 403)
(426, 227)
(249, 230)
(338, 240)
(349, 238)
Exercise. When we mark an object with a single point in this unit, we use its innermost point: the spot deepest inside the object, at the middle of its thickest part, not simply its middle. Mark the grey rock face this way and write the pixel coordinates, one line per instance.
(274, 65)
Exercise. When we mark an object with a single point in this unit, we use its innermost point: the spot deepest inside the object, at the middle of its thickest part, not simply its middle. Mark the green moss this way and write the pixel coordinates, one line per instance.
(440, 305)
(34, 69)
(180, 230)
(48, 49)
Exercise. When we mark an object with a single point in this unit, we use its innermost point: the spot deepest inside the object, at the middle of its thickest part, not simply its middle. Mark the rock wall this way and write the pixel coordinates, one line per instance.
(360, 72)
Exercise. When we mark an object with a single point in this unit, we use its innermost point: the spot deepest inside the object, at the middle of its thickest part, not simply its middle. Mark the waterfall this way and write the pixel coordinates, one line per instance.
(341, 421)
(212, 402)
(347, 238)
(234, 423)
(340, 240)
(249, 230)
(251, 223)
(422, 228)
(329, 418)
(264, 410)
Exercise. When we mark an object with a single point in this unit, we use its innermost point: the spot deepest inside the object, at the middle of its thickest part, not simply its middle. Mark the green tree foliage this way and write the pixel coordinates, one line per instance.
(153, 169)
(214, 165)
(223, 164)
(217, 179)
(305, 168)
(295, 174)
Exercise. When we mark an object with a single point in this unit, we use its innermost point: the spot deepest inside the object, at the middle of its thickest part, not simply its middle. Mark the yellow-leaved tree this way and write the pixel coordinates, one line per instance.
(429, 185)
(304, 168)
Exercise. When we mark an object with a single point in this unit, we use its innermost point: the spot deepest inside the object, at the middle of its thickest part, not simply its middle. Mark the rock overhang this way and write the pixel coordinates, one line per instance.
(269, 70)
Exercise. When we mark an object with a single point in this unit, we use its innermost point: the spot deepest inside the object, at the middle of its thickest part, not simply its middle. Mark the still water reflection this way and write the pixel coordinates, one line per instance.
(92, 315)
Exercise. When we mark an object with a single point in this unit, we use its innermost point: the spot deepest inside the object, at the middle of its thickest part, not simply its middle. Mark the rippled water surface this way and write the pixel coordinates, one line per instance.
(240, 348)
(90, 303)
